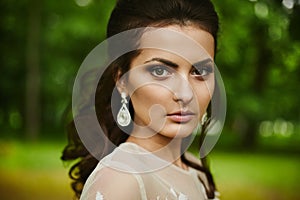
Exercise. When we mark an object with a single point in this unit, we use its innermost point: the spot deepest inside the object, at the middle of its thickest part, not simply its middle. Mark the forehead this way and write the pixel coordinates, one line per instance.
(191, 43)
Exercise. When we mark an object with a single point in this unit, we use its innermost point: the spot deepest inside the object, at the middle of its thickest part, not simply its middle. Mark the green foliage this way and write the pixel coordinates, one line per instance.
(259, 62)
(258, 57)
(68, 33)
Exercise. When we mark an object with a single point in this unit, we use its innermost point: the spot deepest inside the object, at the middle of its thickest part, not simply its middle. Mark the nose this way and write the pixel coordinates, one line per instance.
(183, 92)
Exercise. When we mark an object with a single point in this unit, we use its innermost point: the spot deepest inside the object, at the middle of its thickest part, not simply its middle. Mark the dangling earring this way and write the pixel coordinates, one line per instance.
(204, 118)
(123, 117)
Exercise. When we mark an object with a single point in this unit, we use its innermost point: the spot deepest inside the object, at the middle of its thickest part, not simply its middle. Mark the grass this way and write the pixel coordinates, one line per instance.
(256, 176)
(34, 171)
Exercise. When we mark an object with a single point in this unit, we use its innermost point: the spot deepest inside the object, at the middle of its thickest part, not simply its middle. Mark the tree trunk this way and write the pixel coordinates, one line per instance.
(249, 140)
(259, 82)
(33, 104)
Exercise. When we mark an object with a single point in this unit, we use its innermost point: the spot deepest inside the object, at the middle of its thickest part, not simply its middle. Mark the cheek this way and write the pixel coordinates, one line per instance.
(204, 94)
(150, 102)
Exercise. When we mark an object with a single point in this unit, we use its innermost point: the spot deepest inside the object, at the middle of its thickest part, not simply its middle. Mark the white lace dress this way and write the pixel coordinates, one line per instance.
(132, 173)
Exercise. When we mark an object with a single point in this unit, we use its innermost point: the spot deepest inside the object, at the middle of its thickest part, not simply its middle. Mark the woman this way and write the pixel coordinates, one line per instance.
(168, 86)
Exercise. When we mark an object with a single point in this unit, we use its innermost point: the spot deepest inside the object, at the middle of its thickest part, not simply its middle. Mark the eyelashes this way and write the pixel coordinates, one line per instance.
(202, 71)
(160, 71)
(163, 72)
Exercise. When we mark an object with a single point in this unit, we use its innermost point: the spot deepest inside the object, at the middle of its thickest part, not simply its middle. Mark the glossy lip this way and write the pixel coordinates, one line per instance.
(181, 116)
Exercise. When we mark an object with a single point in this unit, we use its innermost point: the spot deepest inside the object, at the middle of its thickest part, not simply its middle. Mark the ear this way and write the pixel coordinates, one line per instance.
(121, 82)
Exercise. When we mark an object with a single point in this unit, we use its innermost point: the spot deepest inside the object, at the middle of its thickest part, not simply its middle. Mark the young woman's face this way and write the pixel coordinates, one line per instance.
(170, 94)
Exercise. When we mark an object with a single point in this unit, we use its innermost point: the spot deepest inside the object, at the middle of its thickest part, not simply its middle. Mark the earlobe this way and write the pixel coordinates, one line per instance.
(121, 87)
(121, 83)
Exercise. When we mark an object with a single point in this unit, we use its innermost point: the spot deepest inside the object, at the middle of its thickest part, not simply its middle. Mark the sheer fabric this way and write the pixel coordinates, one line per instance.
(132, 173)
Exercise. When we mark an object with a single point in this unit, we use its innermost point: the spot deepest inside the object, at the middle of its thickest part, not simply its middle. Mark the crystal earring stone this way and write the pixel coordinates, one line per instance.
(123, 117)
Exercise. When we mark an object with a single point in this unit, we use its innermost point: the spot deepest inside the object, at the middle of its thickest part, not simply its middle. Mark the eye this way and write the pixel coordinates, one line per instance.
(160, 71)
(202, 71)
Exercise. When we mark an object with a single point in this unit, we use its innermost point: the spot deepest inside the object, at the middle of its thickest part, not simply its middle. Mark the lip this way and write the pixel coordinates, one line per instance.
(181, 116)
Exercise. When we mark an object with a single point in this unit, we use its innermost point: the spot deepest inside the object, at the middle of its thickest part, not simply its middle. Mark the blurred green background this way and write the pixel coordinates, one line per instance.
(44, 42)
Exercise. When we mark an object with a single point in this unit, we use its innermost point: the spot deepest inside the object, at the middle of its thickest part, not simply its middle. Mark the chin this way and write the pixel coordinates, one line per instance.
(178, 131)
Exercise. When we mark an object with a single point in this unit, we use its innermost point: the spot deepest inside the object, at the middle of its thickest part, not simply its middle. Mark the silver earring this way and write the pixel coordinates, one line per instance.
(123, 117)
(204, 118)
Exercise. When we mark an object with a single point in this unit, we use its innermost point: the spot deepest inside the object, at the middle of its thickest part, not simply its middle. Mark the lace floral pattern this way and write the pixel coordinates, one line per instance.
(99, 196)
(179, 196)
(174, 196)
(169, 183)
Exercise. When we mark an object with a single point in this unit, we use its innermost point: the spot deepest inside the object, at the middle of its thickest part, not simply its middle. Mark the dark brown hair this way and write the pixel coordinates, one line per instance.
(127, 15)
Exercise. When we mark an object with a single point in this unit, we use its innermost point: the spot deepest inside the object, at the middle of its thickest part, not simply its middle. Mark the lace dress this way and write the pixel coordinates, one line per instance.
(132, 173)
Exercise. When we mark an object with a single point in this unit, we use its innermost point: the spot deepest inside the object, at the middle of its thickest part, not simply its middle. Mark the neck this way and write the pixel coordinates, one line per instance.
(164, 147)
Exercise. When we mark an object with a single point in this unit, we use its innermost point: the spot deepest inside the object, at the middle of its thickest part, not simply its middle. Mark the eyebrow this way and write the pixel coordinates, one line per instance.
(203, 62)
(164, 61)
(174, 65)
